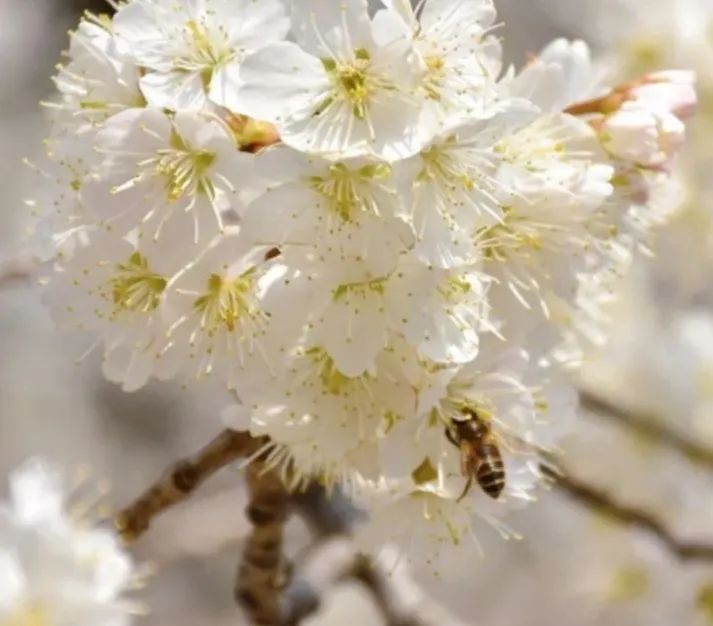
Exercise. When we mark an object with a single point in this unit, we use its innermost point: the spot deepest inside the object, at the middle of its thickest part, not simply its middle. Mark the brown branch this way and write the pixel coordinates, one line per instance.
(330, 516)
(182, 479)
(606, 104)
(648, 426)
(365, 572)
(597, 499)
(327, 515)
(17, 269)
(264, 571)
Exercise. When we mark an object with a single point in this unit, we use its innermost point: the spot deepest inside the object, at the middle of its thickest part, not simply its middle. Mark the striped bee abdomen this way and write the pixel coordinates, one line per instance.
(491, 470)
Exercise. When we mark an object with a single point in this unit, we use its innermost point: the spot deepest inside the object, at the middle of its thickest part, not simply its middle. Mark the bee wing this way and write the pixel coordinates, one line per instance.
(516, 445)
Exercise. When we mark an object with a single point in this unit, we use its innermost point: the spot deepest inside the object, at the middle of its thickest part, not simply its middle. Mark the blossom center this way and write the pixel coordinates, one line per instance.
(440, 165)
(362, 290)
(135, 287)
(532, 146)
(354, 81)
(435, 65)
(208, 50)
(344, 188)
(185, 169)
(331, 379)
(226, 302)
(454, 289)
(520, 235)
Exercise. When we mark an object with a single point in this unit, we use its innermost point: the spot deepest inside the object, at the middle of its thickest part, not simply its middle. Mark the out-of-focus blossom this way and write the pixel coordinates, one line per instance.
(649, 128)
(54, 568)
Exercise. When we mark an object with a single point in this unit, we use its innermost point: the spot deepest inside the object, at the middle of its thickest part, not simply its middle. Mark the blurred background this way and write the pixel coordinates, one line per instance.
(573, 566)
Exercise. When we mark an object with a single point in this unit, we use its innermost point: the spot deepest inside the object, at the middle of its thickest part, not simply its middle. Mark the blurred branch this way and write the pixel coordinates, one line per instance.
(182, 479)
(264, 571)
(330, 516)
(381, 589)
(648, 426)
(597, 499)
(16, 269)
(327, 515)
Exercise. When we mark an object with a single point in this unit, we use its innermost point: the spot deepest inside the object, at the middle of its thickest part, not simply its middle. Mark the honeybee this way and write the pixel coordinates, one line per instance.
(480, 457)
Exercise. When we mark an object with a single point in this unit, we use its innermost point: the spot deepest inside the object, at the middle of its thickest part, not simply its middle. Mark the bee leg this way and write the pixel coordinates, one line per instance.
(466, 489)
(451, 438)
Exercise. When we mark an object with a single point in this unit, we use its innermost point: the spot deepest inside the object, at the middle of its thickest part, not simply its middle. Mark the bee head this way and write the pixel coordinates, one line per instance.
(469, 428)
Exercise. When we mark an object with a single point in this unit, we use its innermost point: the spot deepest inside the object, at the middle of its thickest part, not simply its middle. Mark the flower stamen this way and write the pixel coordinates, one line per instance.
(135, 287)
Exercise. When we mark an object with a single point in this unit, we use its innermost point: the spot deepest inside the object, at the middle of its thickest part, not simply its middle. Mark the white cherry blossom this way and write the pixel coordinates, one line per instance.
(311, 197)
(214, 312)
(557, 180)
(192, 49)
(323, 423)
(341, 289)
(343, 91)
(454, 42)
(649, 127)
(560, 75)
(113, 286)
(100, 78)
(423, 485)
(157, 168)
(453, 190)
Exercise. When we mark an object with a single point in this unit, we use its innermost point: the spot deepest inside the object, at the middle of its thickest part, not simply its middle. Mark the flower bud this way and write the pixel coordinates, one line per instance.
(648, 128)
(646, 137)
(671, 90)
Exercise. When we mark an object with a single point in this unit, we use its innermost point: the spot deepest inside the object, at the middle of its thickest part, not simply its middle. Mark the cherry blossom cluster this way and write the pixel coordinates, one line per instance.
(361, 223)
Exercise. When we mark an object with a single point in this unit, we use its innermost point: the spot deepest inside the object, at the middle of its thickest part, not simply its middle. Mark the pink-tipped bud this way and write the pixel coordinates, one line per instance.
(671, 90)
(648, 127)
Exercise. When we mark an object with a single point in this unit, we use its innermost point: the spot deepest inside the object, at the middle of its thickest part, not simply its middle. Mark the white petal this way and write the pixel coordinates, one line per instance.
(448, 18)
(37, 492)
(331, 29)
(278, 82)
(353, 332)
(12, 583)
(224, 84)
(174, 90)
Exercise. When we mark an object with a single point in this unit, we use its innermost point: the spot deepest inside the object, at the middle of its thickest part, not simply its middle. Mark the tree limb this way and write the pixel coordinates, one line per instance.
(17, 269)
(182, 479)
(648, 426)
(365, 572)
(597, 499)
(264, 571)
(330, 516)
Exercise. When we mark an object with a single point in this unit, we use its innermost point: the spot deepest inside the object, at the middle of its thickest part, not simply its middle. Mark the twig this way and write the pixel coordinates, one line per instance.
(364, 571)
(181, 480)
(596, 498)
(264, 571)
(330, 516)
(17, 269)
(326, 515)
(608, 103)
(648, 426)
